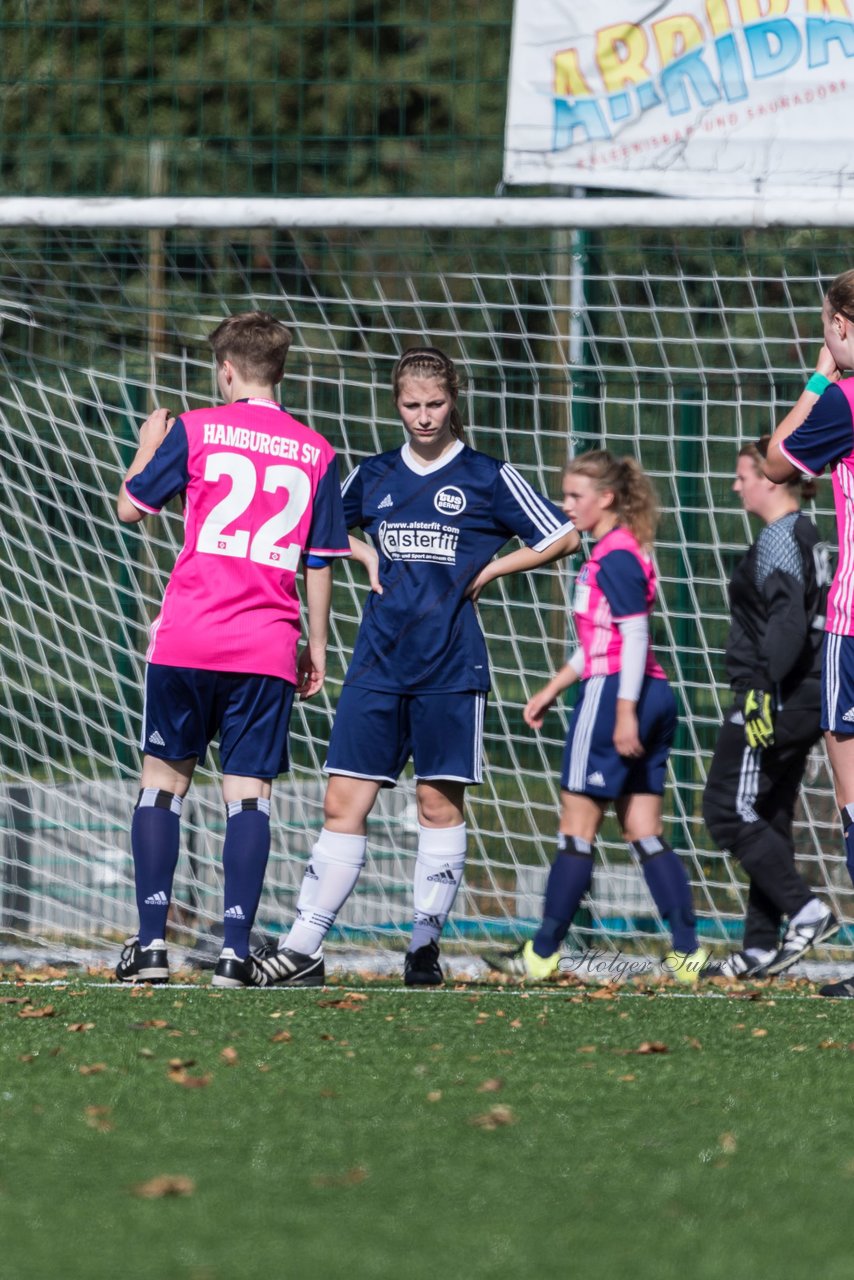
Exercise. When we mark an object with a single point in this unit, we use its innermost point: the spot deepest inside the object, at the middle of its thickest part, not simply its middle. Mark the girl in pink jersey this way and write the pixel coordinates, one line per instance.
(818, 433)
(623, 723)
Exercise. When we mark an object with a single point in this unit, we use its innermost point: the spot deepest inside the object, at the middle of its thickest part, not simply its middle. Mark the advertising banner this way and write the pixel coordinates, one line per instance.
(683, 97)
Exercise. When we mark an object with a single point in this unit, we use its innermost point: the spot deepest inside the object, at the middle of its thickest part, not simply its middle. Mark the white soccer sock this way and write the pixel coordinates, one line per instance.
(438, 871)
(334, 867)
(809, 912)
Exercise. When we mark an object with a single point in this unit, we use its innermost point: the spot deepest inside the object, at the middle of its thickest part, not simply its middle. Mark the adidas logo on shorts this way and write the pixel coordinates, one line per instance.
(595, 779)
(157, 899)
(235, 913)
(156, 739)
(386, 502)
(849, 716)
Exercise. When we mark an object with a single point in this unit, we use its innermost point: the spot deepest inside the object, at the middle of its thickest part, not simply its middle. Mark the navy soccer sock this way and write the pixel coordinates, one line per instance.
(569, 879)
(244, 861)
(671, 892)
(154, 837)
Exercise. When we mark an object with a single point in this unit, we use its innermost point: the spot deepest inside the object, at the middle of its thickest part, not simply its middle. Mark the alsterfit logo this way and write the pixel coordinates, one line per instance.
(419, 541)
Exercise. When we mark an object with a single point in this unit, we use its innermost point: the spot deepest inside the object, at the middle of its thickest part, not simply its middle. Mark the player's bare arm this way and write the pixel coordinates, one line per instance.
(311, 665)
(626, 736)
(365, 554)
(777, 466)
(535, 711)
(152, 433)
(522, 561)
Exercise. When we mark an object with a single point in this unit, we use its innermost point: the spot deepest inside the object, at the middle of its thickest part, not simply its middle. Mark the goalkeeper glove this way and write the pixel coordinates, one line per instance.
(758, 719)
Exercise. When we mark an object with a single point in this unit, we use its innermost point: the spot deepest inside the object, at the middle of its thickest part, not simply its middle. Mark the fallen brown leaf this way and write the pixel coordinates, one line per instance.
(154, 1024)
(353, 1000)
(652, 1046)
(229, 1056)
(165, 1185)
(99, 1118)
(46, 1011)
(490, 1086)
(728, 1144)
(80, 1026)
(281, 1037)
(494, 1118)
(190, 1082)
(93, 1069)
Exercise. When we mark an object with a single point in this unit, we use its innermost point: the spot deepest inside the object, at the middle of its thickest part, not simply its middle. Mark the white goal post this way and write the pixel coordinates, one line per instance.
(672, 330)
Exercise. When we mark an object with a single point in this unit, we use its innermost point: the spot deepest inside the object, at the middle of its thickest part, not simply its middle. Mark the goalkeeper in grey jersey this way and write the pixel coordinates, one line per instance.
(777, 599)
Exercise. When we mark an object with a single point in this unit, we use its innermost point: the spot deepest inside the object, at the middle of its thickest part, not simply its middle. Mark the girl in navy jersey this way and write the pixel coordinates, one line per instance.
(817, 433)
(623, 723)
(437, 513)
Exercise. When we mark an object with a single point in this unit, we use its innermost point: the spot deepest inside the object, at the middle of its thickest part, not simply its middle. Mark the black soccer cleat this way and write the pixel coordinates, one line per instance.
(737, 965)
(144, 964)
(843, 990)
(799, 938)
(233, 972)
(285, 968)
(421, 968)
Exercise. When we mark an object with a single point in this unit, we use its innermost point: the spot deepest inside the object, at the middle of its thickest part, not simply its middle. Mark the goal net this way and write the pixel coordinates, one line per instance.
(672, 344)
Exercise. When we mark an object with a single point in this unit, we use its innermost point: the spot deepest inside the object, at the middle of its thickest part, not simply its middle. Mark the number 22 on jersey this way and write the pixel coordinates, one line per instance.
(264, 546)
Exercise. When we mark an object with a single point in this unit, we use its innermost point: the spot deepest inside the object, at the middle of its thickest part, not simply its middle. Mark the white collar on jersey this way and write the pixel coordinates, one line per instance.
(411, 462)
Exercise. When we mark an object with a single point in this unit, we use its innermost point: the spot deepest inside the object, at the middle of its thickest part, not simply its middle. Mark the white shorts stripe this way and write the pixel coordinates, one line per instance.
(583, 733)
(832, 648)
(480, 713)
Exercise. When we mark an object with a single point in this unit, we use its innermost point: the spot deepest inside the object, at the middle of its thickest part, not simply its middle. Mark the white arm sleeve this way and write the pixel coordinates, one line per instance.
(576, 661)
(635, 636)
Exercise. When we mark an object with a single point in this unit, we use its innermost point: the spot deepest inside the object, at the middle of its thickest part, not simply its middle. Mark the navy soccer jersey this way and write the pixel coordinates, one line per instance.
(434, 529)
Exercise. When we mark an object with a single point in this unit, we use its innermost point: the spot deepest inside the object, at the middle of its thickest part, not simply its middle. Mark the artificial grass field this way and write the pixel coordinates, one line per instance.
(384, 1132)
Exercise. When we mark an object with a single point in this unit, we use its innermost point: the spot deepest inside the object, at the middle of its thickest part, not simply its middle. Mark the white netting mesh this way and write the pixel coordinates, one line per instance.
(673, 346)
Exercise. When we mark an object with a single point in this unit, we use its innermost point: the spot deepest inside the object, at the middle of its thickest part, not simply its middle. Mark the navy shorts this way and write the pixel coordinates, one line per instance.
(837, 683)
(591, 765)
(375, 733)
(185, 708)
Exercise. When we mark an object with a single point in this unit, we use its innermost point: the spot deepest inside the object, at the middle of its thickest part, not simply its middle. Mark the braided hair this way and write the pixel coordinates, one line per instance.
(430, 362)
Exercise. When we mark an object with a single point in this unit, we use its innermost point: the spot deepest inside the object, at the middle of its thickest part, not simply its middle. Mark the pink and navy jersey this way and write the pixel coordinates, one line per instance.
(261, 492)
(826, 439)
(617, 582)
